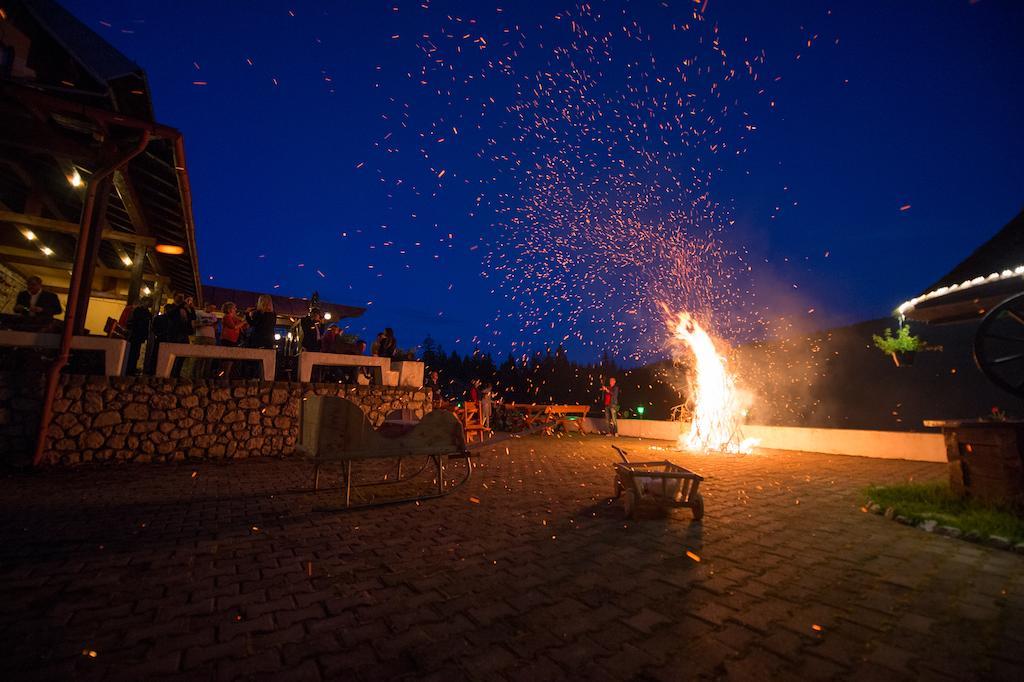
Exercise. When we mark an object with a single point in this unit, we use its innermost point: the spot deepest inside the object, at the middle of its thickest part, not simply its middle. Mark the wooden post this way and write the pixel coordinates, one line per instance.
(135, 284)
(95, 239)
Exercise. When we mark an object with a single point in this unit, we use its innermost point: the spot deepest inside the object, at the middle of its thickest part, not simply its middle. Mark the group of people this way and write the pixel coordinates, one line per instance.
(477, 393)
(318, 339)
(483, 395)
(181, 321)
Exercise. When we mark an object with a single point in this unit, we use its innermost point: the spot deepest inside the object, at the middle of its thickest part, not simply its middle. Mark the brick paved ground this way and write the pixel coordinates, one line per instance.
(224, 574)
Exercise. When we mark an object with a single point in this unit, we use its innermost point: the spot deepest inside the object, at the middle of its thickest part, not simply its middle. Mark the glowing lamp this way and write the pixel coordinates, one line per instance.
(47, 251)
(277, 337)
(640, 410)
(327, 316)
(127, 260)
(170, 249)
(75, 180)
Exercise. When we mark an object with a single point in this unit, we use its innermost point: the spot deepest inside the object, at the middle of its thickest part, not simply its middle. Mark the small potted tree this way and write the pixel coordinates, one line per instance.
(901, 347)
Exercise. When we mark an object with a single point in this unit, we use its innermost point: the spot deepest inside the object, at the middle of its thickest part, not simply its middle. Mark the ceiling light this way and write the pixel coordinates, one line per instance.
(127, 260)
(47, 251)
(170, 249)
(75, 179)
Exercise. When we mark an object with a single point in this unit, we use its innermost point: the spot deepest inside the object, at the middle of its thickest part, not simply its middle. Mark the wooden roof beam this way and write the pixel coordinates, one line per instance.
(10, 254)
(67, 227)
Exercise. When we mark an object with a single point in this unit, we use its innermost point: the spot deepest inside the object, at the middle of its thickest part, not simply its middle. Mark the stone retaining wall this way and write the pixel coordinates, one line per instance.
(11, 283)
(145, 419)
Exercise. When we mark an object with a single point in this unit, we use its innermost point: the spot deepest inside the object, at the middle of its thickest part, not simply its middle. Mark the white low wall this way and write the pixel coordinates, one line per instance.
(925, 447)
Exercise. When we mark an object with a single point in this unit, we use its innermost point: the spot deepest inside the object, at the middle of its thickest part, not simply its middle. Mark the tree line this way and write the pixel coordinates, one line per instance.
(551, 377)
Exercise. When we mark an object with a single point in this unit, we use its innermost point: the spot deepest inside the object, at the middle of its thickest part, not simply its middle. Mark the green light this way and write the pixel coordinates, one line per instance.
(640, 410)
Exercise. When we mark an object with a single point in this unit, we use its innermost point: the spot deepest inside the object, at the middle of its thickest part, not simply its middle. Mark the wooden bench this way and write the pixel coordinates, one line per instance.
(309, 359)
(548, 417)
(572, 415)
(336, 429)
(169, 352)
(115, 351)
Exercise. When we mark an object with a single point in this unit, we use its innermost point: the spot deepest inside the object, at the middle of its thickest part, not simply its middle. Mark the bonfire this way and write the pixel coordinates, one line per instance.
(719, 406)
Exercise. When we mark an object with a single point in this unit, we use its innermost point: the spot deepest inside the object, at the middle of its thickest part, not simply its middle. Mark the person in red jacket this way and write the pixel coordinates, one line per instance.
(611, 406)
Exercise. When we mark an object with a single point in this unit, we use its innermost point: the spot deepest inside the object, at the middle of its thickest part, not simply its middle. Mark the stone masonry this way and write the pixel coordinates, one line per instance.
(145, 419)
(10, 284)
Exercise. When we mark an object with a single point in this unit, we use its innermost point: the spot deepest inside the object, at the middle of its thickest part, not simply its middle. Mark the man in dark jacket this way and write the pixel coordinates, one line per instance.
(138, 333)
(311, 330)
(36, 303)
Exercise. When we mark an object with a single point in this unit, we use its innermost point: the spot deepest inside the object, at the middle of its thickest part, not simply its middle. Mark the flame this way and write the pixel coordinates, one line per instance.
(718, 405)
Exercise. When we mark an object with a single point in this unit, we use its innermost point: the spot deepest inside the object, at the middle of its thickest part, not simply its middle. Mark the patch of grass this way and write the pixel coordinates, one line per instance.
(921, 501)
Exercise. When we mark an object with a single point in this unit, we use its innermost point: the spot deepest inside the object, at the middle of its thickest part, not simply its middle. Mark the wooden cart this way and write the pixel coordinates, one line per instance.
(666, 483)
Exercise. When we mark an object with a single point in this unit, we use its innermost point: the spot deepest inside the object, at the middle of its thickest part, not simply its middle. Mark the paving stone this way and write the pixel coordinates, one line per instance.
(228, 574)
(645, 620)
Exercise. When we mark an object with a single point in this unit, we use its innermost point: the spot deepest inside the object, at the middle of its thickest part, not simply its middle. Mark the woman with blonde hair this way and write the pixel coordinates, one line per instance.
(262, 321)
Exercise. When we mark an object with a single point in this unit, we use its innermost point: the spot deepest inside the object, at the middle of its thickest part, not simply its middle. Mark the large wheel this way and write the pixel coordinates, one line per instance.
(698, 507)
(999, 345)
(629, 503)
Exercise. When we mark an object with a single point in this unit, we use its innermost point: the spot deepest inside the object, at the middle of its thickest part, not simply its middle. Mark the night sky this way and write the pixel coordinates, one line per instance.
(859, 152)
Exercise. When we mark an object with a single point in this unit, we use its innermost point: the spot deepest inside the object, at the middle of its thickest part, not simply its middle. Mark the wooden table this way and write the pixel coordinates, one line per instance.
(115, 351)
(551, 415)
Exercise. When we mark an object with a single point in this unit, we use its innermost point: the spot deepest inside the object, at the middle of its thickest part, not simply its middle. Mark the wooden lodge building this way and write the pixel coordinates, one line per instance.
(95, 201)
(71, 105)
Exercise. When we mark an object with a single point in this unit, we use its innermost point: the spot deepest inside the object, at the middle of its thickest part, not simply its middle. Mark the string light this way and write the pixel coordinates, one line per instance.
(907, 306)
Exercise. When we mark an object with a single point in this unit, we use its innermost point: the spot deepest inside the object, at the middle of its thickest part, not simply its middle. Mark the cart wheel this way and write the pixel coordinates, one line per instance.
(698, 507)
(629, 503)
(999, 345)
(618, 488)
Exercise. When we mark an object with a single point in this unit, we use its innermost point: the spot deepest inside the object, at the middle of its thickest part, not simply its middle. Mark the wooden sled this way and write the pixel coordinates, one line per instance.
(335, 429)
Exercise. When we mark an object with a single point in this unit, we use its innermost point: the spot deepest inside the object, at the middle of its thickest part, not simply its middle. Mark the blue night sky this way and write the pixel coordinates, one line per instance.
(893, 104)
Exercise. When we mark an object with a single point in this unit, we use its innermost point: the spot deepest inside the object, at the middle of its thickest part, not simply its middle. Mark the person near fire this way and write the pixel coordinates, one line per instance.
(611, 406)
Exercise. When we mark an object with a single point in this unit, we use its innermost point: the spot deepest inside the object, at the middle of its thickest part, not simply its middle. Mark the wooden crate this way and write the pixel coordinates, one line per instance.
(986, 460)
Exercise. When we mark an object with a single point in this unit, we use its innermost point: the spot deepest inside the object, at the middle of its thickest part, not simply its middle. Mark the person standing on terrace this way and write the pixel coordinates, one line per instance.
(311, 330)
(231, 326)
(138, 332)
(262, 321)
(385, 345)
(179, 325)
(611, 406)
(37, 303)
(204, 325)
